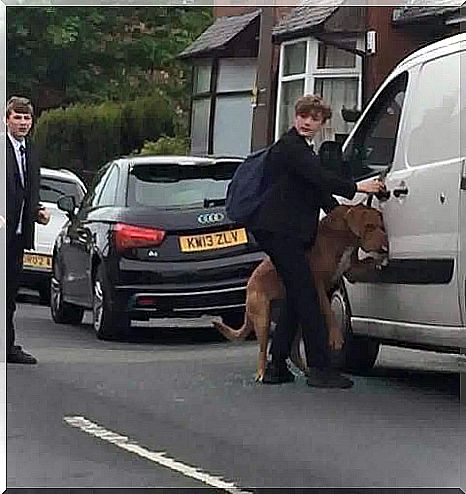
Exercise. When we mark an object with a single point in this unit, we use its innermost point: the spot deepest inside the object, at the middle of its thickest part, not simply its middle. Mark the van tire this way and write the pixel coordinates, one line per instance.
(359, 353)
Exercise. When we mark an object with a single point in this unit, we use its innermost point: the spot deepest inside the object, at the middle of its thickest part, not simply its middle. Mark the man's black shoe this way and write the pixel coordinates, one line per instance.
(277, 374)
(327, 378)
(18, 356)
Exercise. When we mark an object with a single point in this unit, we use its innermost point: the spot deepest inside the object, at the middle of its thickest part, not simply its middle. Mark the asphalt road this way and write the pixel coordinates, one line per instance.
(99, 414)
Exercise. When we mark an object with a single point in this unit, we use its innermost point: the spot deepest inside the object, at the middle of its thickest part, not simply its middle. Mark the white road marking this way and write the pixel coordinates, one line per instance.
(159, 457)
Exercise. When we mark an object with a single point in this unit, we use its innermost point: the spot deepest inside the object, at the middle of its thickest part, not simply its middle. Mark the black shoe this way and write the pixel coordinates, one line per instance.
(18, 356)
(277, 374)
(327, 378)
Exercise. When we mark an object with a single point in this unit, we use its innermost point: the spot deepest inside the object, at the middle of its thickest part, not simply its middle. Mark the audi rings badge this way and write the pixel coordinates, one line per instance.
(209, 218)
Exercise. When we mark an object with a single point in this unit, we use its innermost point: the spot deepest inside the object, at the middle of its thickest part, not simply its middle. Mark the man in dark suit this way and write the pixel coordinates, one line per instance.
(23, 209)
(285, 227)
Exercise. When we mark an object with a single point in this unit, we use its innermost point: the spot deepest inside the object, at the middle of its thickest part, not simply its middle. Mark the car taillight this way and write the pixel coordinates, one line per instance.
(131, 237)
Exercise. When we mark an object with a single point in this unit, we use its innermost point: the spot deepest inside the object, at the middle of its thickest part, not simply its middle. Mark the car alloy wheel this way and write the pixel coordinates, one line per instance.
(55, 296)
(98, 306)
(108, 323)
(62, 312)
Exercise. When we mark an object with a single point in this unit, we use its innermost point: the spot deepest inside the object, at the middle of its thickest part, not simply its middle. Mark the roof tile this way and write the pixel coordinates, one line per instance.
(305, 17)
(413, 12)
(223, 30)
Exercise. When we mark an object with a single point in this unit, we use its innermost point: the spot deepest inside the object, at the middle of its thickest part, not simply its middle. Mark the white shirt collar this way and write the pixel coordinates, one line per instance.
(16, 143)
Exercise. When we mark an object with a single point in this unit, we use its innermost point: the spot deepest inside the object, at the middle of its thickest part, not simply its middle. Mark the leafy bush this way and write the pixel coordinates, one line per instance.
(166, 146)
(84, 137)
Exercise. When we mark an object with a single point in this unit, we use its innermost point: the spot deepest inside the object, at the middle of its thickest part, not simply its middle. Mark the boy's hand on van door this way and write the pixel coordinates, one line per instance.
(374, 186)
(43, 216)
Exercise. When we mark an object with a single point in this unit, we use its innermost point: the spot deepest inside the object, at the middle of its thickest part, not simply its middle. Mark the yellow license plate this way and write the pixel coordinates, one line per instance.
(211, 241)
(39, 261)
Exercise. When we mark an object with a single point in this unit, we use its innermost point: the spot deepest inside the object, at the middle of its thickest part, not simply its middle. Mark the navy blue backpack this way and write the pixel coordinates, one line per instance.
(248, 186)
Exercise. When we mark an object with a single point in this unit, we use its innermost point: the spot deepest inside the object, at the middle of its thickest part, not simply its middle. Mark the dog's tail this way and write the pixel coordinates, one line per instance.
(234, 334)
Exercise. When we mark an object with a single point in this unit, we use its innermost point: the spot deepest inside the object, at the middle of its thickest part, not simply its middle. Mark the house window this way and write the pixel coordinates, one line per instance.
(221, 118)
(337, 92)
(202, 76)
(200, 114)
(292, 73)
(331, 57)
(291, 91)
(308, 66)
(200, 126)
(294, 61)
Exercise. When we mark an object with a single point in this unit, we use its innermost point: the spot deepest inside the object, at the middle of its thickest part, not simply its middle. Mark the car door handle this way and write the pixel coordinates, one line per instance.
(402, 191)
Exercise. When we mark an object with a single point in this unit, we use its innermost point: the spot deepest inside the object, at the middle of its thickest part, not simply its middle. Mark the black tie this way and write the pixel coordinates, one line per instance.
(22, 151)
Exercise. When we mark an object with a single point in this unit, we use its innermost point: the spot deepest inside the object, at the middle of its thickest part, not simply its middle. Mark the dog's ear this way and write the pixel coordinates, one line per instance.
(355, 218)
(335, 220)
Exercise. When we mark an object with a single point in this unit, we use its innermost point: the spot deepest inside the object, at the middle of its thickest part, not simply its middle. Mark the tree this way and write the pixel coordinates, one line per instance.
(64, 55)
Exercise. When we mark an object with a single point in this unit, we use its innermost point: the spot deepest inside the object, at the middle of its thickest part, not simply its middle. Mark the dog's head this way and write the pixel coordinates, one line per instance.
(367, 224)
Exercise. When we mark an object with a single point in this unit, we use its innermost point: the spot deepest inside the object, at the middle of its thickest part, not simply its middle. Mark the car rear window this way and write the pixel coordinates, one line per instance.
(51, 189)
(174, 186)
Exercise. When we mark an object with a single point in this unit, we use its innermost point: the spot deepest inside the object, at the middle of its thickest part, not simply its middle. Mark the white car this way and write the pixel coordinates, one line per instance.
(37, 263)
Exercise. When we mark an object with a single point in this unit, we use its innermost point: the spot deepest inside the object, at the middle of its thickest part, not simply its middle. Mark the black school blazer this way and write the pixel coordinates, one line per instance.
(15, 193)
(300, 187)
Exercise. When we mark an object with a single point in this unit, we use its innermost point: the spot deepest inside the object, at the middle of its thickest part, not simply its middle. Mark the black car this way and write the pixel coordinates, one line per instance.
(151, 239)
(37, 262)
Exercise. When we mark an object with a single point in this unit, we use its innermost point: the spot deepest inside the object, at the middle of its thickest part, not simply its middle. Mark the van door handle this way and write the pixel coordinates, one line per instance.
(383, 195)
(402, 191)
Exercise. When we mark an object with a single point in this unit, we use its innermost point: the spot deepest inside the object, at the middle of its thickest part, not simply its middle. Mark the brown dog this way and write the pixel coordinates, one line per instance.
(340, 234)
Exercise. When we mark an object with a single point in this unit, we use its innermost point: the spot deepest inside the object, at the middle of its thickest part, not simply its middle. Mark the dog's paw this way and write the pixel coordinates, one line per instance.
(214, 320)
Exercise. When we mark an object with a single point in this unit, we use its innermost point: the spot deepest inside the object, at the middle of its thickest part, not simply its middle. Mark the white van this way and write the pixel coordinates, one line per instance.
(414, 131)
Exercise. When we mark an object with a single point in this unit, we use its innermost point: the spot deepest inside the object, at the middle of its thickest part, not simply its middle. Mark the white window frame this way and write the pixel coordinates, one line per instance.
(312, 72)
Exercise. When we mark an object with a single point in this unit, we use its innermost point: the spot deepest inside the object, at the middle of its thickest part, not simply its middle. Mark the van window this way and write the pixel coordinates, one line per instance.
(434, 130)
(372, 148)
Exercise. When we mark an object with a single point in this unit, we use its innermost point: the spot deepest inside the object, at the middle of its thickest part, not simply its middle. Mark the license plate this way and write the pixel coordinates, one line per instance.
(38, 261)
(211, 241)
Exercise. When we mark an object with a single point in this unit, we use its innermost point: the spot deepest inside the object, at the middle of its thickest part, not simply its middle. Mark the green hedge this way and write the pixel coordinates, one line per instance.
(178, 146)
(84, 137)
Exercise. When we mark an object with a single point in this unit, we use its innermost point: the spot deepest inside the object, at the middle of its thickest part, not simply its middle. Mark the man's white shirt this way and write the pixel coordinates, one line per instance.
(16, 145)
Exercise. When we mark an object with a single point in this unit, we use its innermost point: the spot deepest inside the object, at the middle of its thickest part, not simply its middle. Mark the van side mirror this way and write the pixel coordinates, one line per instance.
(350, 115)
(329, 152)
(67, 204)
(331, 157)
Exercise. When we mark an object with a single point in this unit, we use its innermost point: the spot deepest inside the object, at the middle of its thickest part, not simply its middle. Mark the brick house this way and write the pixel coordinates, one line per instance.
(251, 64)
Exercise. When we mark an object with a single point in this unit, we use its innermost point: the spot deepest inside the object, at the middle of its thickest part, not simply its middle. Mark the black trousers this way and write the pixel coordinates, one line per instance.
(14, 266)
(302, 306)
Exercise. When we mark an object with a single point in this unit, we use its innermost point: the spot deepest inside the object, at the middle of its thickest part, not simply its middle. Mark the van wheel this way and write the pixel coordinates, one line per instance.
(358, 353)
(108, 324)
(62, 312)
